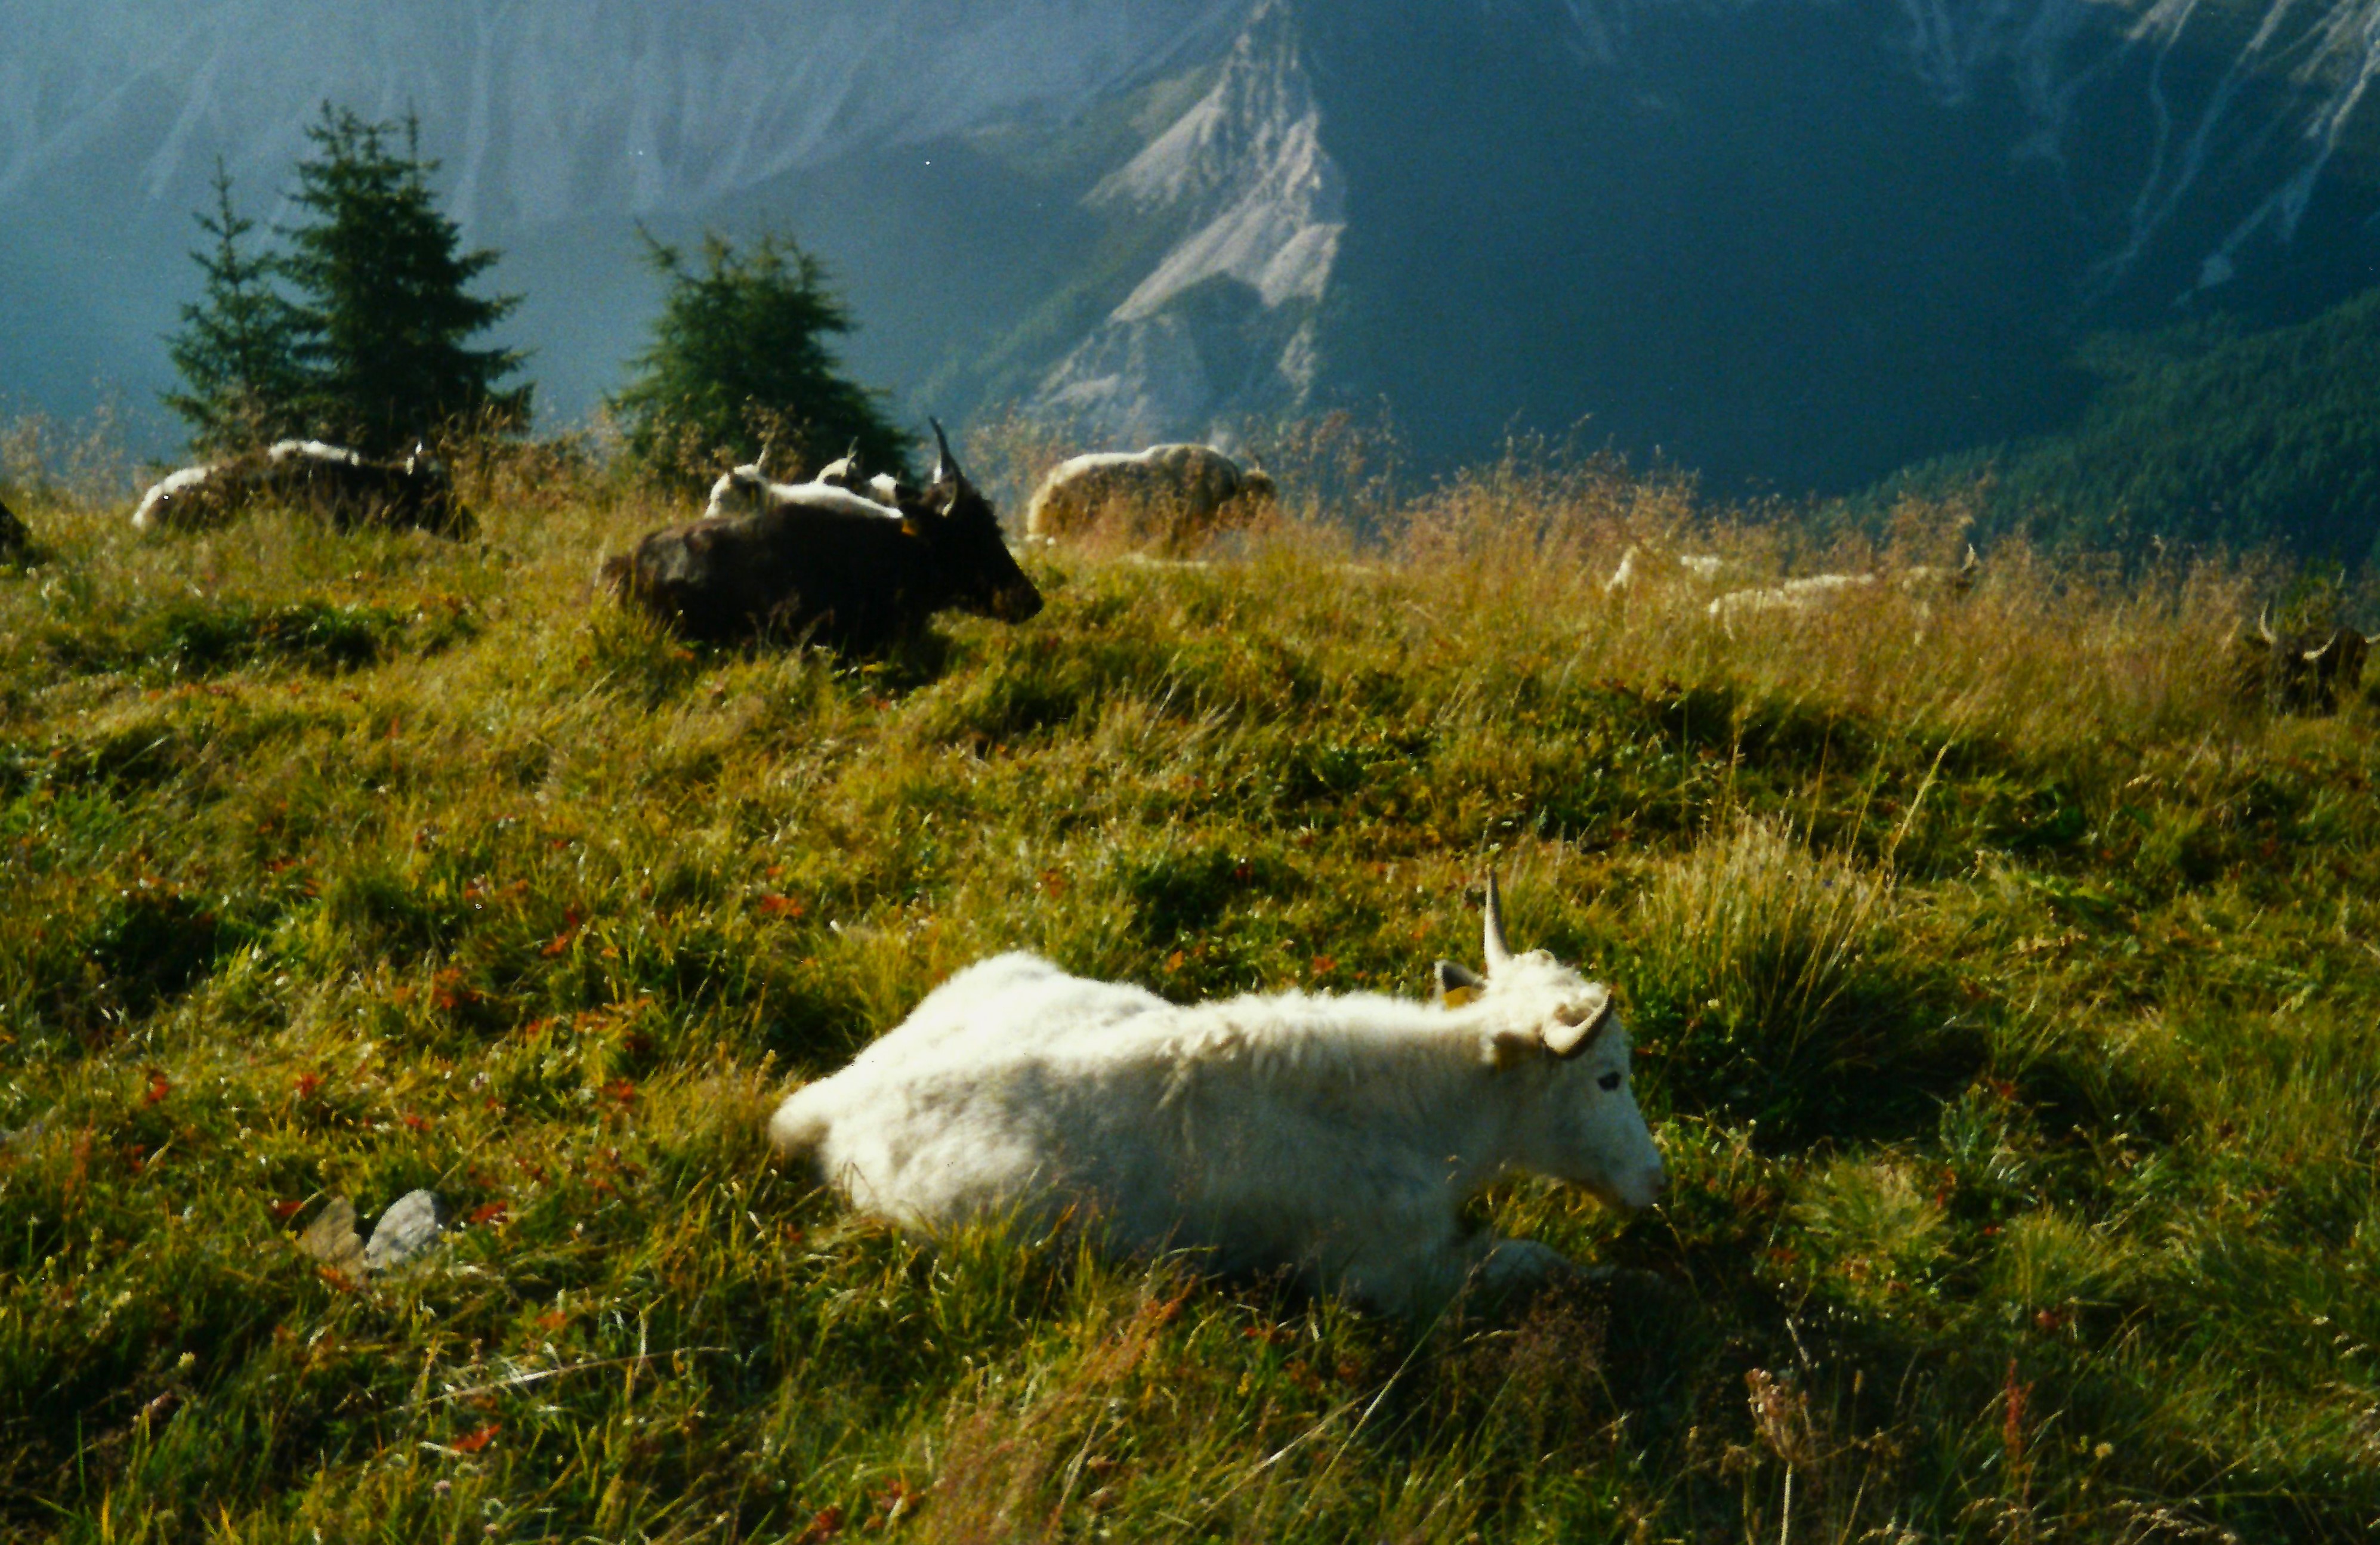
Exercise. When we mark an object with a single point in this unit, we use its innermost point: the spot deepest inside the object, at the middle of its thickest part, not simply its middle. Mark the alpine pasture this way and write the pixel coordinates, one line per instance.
(2005, 990)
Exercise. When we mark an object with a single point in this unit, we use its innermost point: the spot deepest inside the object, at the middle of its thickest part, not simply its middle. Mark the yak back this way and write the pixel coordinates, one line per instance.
(355, 491)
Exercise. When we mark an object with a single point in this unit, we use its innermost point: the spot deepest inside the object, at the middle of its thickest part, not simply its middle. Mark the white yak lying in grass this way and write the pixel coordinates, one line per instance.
(1339, 1137)
(1171, 497)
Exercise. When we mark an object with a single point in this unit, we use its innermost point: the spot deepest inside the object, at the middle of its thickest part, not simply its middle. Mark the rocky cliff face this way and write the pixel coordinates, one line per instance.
(1792, 240)
(1224, 323)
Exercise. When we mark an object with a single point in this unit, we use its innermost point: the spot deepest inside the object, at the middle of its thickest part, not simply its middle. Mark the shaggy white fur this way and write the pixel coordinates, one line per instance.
(1176, 494)
(154, 510)
(1336, 1136)
(747, 490)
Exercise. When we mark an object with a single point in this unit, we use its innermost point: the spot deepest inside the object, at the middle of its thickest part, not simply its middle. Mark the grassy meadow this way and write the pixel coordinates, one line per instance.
(2008, 1001)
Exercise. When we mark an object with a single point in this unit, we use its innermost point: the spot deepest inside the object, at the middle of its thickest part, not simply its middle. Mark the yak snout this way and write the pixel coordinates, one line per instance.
(1016, 603)
(1646, 1186)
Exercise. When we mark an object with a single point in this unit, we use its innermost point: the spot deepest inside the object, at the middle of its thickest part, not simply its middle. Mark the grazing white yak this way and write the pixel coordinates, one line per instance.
(1921, 582)
(1643, 566)
(1171, 497)
(1338, 1137)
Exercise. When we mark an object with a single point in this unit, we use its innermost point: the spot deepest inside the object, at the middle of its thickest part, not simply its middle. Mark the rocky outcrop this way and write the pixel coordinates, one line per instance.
(1224, 324)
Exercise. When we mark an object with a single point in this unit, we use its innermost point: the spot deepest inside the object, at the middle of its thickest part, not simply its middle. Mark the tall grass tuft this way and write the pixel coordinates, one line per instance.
(1771, 981)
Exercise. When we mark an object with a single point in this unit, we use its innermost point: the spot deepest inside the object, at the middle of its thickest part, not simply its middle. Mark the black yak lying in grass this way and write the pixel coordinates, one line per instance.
(818, 560)
(2300, 670)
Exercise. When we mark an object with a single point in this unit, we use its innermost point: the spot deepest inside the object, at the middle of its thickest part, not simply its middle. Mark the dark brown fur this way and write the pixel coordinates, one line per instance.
(834, 571)
(2300, 671)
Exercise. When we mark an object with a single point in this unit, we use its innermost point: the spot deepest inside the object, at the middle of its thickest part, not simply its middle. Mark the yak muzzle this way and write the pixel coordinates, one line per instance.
(1016, 603)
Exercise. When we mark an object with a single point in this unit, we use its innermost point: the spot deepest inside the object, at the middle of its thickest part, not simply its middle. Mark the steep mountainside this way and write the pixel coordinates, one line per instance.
(1788, 242)
(1225, 321)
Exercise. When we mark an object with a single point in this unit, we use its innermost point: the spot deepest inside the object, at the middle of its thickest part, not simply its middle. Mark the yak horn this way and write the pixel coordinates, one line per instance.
(946, 466)
(1496, 950)
(2265, 625)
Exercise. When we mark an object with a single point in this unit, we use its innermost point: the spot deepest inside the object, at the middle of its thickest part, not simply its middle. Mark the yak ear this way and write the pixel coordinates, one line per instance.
(1456, 984)
(1579, 1025)
(1501, 1049)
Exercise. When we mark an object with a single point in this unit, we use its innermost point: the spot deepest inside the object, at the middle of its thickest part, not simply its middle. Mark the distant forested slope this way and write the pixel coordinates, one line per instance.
(2205, 434)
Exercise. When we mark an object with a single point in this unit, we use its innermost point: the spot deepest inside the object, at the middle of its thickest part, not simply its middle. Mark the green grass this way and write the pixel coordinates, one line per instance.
(2008, 1002)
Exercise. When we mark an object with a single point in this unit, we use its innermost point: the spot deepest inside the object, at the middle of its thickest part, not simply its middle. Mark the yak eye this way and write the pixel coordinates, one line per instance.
(1609, 1081)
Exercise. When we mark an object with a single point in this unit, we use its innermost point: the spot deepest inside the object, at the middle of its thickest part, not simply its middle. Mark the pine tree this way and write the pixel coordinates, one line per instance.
(236, 352)
(740, 365)
(385, 310)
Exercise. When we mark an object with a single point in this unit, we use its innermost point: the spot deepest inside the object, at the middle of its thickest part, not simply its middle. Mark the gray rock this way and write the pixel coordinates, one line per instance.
(331, 1237)
(406, 1230)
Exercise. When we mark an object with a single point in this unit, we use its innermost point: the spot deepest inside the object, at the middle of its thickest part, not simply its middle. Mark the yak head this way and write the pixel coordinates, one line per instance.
(740, 490)
(971, 561)
(2293, 673)
(1557, 1044)
(844, 472)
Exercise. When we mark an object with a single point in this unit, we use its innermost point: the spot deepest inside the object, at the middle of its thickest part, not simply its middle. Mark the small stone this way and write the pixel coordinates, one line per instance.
(331, 1237)
(406, 1229)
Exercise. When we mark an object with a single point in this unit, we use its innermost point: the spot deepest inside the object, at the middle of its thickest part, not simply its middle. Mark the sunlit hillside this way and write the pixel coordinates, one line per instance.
(2007, 990)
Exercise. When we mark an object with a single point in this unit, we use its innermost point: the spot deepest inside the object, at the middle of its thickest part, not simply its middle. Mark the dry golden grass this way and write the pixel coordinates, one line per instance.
(2008, 994)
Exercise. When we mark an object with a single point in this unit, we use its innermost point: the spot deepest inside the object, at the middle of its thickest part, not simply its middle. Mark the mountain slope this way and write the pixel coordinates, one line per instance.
(1792, 244)
(2202, 436)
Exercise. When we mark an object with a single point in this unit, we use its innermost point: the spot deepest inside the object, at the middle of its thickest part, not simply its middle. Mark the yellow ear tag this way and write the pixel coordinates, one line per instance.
(1461, 996)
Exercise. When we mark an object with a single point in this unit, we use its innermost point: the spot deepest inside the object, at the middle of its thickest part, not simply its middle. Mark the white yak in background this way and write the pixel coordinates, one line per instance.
(1169, 497)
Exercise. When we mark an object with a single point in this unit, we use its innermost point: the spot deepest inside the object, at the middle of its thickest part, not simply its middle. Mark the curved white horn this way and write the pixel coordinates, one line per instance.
(946, 466)
(1496, 949)
(2265, 625)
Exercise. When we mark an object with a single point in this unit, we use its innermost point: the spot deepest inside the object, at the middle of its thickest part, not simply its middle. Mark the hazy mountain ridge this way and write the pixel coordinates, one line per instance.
(542, 107)
(1781, 239)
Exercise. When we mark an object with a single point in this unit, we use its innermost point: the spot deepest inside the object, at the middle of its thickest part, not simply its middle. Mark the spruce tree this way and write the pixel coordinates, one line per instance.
(237, 350)
(385, 311)
(739, 363)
